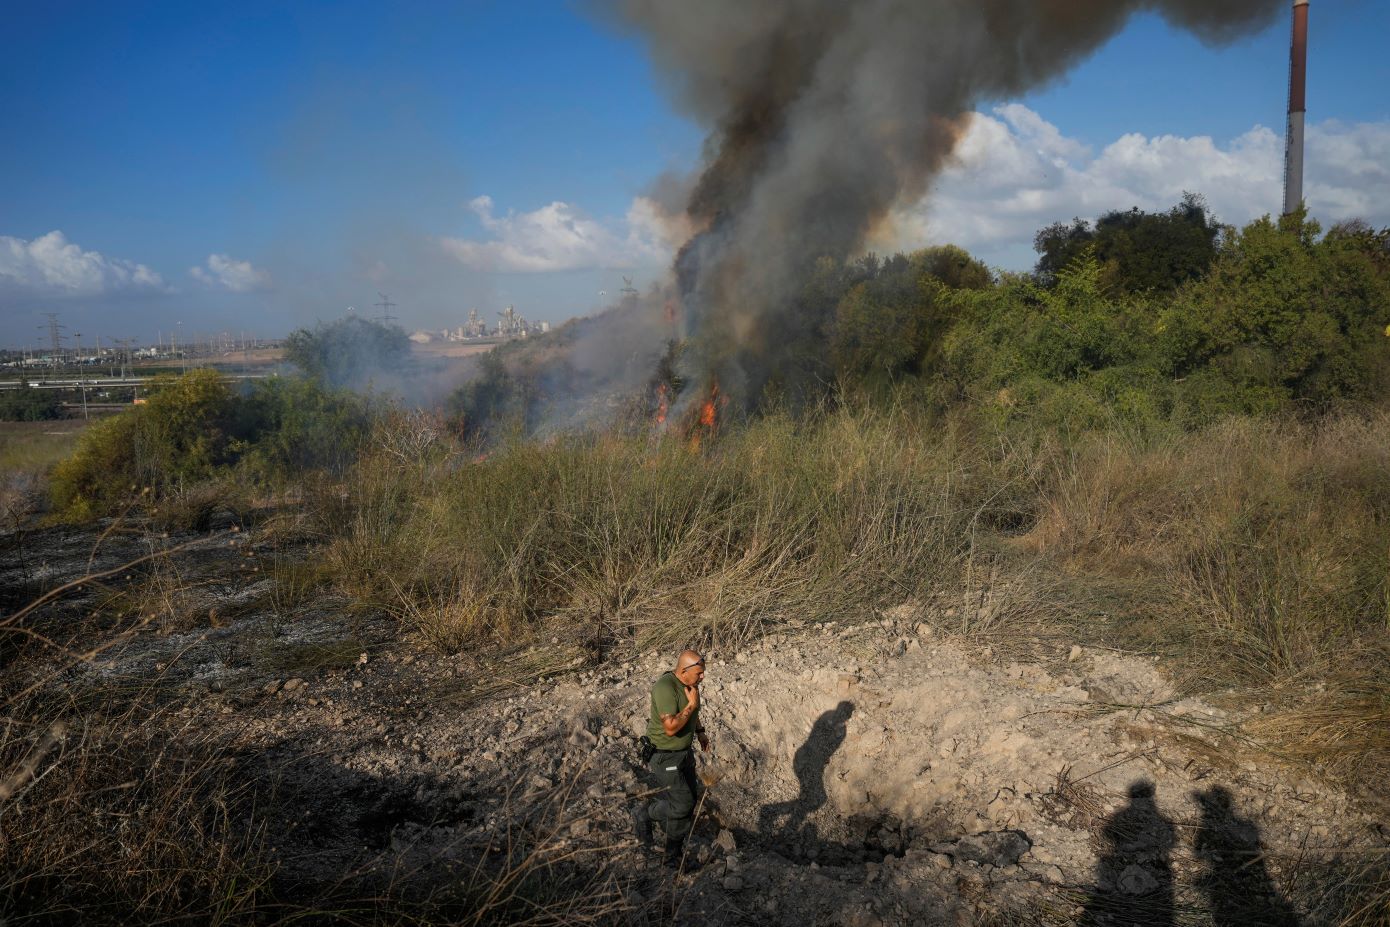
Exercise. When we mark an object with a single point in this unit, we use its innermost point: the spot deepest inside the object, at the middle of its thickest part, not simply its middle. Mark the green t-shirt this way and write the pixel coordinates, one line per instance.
(668, 698)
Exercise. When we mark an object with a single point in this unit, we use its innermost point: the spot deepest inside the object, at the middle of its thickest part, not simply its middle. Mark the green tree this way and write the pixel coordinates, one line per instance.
(1287, 312)
(879, 327)
(26, 404)
(349, 352)
(953, 266)
(1138, 251)
(890, 322)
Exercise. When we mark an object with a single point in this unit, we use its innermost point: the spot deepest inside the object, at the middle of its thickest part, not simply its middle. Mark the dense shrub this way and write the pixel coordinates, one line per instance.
(881, 326)
(349, 352)
(1283, 320)
(195, 428)
(1070, 355)
(890, 323)
(296, 426)
(1286, 314)
(182, 434)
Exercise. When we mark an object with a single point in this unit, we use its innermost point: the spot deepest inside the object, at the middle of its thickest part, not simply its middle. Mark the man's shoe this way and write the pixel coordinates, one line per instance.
(681, 862)
(642, 826)
(675, 857)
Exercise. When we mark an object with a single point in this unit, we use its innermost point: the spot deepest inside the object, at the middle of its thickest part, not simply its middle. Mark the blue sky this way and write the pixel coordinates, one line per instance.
(304, 156)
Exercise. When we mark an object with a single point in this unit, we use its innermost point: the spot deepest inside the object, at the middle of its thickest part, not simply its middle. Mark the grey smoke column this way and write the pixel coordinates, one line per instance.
(1298, 85)
(825, 113)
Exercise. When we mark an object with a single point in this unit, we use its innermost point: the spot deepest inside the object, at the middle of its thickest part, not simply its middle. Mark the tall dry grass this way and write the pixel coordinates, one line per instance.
(121, 812)
(649, 540)
(1257, 555)
(1271, 537)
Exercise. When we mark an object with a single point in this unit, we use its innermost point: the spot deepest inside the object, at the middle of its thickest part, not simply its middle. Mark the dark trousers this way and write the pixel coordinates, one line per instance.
(675, 772)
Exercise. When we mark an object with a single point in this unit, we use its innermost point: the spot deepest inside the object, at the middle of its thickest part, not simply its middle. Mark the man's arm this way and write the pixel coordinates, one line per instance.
(672, 723)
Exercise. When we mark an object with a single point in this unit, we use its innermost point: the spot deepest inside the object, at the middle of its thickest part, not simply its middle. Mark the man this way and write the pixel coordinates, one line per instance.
(673, 725)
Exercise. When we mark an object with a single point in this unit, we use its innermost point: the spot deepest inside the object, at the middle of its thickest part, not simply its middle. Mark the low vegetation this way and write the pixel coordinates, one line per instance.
(28, 453)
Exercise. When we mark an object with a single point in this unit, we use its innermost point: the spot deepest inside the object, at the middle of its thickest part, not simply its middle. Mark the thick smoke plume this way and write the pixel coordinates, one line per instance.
(825, 113)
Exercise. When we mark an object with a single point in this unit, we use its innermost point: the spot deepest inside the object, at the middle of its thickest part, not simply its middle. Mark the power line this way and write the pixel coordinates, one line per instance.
(55, 332)
(385, 306)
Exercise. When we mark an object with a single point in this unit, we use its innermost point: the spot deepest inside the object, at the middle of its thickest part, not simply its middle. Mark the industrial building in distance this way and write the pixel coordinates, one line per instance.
(510, 324)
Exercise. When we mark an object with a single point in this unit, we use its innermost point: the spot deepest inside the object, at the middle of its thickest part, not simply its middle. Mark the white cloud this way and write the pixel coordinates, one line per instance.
(229, 274)
(1015, 173)
(50, 265)
(560, 237)
(1012, 174)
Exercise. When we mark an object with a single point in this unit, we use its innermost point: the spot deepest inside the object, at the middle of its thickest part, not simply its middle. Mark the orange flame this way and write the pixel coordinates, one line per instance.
(662, 405)
(708, 420)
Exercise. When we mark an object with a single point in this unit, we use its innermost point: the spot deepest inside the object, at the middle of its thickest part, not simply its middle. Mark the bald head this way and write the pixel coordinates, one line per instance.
(690, 667)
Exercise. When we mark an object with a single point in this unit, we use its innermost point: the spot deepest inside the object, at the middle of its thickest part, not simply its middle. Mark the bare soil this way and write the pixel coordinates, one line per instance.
(871, 771)
(451, 349)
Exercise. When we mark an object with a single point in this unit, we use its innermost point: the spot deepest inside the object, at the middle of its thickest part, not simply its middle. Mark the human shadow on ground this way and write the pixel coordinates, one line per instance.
(786, 822)
(786, 827)
(1234, 879)
(1134, 878)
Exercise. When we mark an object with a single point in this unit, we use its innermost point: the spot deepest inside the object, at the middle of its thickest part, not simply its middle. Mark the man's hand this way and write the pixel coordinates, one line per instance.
(672, 724)
(704, 741)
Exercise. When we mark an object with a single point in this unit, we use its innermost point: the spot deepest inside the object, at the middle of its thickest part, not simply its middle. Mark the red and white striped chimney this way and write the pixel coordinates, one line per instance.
(1298, 81)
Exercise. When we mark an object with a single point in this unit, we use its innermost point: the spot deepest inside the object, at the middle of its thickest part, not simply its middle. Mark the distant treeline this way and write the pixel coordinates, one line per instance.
(26, 404)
